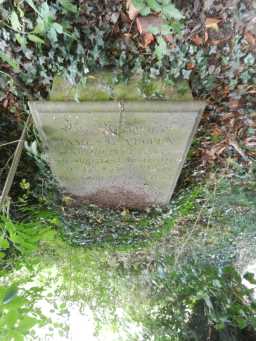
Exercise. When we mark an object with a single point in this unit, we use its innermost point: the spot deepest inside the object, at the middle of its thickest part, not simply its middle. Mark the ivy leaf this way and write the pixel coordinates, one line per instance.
(145, 11)
(68, 6)
(35, 39)
(154, 5)
(249, 59)
(15, 21)
(186, 73)
(141, 7)
(21, 39)
(52, 35)
(165, 29)
(40, 27)
(161, 48)
(45, 12)
(58, 28)
(139, 4)
(9, 60)
(171, 12)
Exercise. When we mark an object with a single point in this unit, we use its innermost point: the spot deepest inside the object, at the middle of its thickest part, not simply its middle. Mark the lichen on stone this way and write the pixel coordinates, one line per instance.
(103, 86)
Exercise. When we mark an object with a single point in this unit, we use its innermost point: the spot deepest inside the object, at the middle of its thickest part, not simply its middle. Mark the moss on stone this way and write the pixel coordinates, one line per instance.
(101, 86)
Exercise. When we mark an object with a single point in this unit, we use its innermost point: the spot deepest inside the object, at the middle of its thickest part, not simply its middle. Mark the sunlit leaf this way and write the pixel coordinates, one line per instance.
(154, 5)
(35, 39)
(4, 244)
(27, 323)
(15, 21)
(161, 48)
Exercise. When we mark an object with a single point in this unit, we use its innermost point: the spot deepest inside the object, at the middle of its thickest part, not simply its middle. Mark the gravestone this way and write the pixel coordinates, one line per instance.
(121, 151)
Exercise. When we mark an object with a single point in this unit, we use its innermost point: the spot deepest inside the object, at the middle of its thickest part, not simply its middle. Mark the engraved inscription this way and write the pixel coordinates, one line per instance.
(141, 153)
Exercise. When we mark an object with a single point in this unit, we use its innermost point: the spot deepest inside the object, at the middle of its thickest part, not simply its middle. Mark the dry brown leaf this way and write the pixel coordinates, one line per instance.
(226, 90)
(250, 38)
(145, 23)
(227, 116)
(221, 41)
(148, 39)
(131, 10)
(212, 153)
(216, 131)
(206, 36)
(190, 66)
(250, 142)
(221, 148)
(234, 104)
(197, 40)
(212, 23)
(237, 148)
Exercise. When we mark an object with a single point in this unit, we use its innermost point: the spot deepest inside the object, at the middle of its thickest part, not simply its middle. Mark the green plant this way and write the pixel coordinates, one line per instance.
(16, 319)
(196, 298)
(19, 240)
(24, 237)
(165, 7)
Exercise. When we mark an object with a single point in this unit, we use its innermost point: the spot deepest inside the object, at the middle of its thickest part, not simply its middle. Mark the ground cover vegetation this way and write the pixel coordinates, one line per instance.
(181, 265)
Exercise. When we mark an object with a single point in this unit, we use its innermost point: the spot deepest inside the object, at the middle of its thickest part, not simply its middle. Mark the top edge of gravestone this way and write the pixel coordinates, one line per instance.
(114, 106)
(104, 86)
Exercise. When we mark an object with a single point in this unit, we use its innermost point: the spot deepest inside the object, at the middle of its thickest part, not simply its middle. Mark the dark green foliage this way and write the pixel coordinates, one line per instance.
(200, 300)
(127, 229)
(24, 237)
(40, 39)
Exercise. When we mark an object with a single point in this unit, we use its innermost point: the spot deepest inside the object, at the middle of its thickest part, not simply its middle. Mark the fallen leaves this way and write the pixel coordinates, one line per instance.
(190, 66)
(146, 25)
(250, 142)
(212, 34)
(231, 134)
(250, 38)
(212, 23)
(197, 40)
(148, 39)
(131, 10)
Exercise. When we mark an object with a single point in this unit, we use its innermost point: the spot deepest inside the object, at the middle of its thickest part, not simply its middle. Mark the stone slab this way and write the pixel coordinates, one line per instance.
(114, 154)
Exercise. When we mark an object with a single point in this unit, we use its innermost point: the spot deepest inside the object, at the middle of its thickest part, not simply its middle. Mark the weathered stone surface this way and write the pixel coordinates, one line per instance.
(102, 86)
(117, 155)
